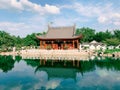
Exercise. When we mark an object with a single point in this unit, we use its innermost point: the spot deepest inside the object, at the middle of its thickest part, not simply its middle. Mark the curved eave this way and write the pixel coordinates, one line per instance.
(43, 38)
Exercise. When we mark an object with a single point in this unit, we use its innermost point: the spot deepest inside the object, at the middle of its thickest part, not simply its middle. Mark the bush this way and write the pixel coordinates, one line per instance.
(111, 51)
(49, 47)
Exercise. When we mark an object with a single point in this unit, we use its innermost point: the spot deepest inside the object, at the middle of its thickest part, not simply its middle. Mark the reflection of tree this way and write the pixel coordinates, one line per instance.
(33, 63)
(109, 64)
(18, 58)
(6, 63)
(86, 66)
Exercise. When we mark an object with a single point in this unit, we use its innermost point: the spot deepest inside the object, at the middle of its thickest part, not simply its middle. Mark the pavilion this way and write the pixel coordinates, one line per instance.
(60, 38)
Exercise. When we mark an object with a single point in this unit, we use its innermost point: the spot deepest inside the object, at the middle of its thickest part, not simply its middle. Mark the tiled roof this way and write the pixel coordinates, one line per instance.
(59, 33)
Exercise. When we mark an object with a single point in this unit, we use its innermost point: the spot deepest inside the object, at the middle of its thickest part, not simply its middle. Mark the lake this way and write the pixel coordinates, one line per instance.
(34, 74)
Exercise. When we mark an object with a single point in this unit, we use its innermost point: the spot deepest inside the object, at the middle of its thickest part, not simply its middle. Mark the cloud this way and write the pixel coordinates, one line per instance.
(51, 9)
(88, 11)
(21, 29)
(103, 13)
(85, 10)
(61, 21)
(25, 5)
(102, 19)
(10, 4)
(100, 16)
(110, 18)
(117, 23)
(36, 24)
(67, 21)
(53, 83)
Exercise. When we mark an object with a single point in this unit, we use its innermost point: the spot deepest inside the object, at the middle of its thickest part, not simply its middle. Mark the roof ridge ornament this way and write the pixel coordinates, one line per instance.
(74, 27)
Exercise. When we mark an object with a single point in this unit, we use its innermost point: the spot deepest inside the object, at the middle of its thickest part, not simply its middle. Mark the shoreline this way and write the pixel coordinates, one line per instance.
(58, 54)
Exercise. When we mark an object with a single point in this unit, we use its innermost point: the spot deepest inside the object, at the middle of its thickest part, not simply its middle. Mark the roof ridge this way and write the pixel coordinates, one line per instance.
(62, 27)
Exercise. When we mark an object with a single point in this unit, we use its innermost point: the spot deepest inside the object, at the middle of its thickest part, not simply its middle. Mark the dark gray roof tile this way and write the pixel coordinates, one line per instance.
(59, 33)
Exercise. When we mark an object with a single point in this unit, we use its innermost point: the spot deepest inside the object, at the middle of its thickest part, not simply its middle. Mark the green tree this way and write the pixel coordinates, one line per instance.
(9, 41)
(6, 40)
(112, 41)
(117, 34)
(88, 33)
(102, 36)
(31, 40)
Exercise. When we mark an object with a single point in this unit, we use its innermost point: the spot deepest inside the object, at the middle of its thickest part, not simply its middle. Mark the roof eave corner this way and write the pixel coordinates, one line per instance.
(80, 36)
(37, 36)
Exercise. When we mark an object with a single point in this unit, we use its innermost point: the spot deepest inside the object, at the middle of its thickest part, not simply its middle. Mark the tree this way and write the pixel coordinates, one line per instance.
(6, 39)
(112, 41)
(102, 36)
(31, 40)
(117, 34)
(88, 33)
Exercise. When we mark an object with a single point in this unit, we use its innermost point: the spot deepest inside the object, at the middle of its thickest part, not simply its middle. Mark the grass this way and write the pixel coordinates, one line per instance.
(111, 51)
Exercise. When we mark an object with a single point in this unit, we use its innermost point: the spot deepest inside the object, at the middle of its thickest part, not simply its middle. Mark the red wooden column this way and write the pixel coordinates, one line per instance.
(41, 44)
(44, 44)
(73, 44)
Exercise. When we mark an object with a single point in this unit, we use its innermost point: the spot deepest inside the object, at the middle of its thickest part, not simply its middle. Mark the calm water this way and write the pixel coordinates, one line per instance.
(31, 74)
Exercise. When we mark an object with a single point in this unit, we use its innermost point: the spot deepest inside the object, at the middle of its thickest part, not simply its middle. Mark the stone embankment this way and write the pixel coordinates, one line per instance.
(58, 54)
(52, 54)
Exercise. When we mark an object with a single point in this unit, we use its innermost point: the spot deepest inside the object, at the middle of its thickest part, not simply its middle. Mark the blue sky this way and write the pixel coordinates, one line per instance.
(22, 17)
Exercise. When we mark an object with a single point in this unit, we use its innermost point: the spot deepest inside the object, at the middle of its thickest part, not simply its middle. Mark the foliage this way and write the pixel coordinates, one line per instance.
(117, 34)
(30, 40)
(88, 33)
(112, 41)
(106, 37)
(33, 63)
(102, 36)
(7, 41)
(65, 47)
(111, 50)
(48, 47)
(85, 48)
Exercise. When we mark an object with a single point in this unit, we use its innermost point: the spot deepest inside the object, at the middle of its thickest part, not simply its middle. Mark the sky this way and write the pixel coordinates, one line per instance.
(23, 17)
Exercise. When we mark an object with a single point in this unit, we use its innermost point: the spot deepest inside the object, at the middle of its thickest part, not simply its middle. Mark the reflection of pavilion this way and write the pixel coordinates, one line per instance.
(61, 69)
(64, 69)
(59, 72)
(69, 69)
